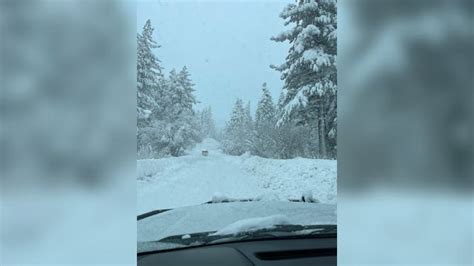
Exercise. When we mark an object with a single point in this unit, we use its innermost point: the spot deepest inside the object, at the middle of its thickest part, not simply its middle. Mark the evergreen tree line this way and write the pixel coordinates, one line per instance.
(167, 122)
(304, 120)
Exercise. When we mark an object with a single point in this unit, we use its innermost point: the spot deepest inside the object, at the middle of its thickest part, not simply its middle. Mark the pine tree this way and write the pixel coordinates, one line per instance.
(188, 99)
(207, 125)
(291, 139)
(249, 129)
(235, 134)
(149, 79)
(248, 120)
(149, 74)
(211, 125)
(180, 97)
(166, 121)
(309, 72)
(181, 127)
(265, 114)
(280, 103)
(264, 125)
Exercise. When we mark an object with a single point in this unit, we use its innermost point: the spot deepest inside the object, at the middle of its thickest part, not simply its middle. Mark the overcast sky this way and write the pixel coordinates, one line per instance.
(225, 45)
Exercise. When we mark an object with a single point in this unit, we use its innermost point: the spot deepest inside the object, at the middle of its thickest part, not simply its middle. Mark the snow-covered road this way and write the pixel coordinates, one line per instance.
(194, 179)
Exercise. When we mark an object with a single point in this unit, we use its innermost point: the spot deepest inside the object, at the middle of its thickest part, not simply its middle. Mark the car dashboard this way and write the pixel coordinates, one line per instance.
(301, 251)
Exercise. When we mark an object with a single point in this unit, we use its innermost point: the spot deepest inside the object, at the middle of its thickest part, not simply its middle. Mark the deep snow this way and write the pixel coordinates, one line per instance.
(193, 179)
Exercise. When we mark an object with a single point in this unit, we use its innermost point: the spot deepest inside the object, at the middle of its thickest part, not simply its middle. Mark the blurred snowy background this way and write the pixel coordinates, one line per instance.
(405, 140)
(67, 132)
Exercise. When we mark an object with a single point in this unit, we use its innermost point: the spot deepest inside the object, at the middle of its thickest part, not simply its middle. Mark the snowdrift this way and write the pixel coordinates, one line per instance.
(294, 177)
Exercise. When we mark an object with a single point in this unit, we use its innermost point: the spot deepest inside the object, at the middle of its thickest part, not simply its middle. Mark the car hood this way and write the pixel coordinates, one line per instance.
(213, 217)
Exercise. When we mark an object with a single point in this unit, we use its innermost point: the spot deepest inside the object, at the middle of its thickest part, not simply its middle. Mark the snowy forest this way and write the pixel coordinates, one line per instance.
(302, 122)
(167, 122)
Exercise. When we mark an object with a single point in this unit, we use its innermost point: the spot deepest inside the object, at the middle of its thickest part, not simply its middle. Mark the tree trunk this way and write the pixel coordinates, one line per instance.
(322, 134)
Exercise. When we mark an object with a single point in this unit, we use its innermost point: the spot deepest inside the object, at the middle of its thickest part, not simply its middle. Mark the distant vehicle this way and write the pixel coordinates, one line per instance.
(205, 152)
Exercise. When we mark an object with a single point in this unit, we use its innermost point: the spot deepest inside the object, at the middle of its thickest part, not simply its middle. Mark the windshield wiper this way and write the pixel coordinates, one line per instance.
(249, 200)
(278, 231)
(151, 213)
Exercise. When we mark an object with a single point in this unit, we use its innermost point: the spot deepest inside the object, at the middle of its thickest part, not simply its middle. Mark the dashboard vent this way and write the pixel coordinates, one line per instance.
(295, 254)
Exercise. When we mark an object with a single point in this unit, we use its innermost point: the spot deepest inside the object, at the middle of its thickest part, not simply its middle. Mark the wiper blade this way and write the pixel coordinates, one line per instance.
(228, 200)
(151, 213)
(288, 230)
(295, 231)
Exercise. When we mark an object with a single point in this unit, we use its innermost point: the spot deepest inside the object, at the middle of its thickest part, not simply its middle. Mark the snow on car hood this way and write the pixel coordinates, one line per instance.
(252, 224)
(214, 217)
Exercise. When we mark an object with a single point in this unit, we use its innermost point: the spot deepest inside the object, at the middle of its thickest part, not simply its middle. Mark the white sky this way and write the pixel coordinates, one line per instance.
(224, 43)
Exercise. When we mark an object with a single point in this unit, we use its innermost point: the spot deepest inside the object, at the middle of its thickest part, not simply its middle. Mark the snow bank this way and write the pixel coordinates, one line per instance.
(147, 168)
(294, 177)
(253, 224)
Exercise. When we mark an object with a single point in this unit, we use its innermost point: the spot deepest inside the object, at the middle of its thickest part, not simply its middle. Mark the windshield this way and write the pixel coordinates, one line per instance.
(236, 121)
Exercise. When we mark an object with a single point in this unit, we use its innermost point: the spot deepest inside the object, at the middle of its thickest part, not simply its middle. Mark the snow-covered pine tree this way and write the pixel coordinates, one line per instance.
(248, 115)
(264, 125)
(249, 129)
(234, 133)
(178, 127)
(281, 103)
(310, 69)
(283, 147)
(290, 140)
(211, 125)
(199, 115)
(180, 94)
(149, 73)
(208, 129)
(172, 106)
(149, 80)
(189, 100)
